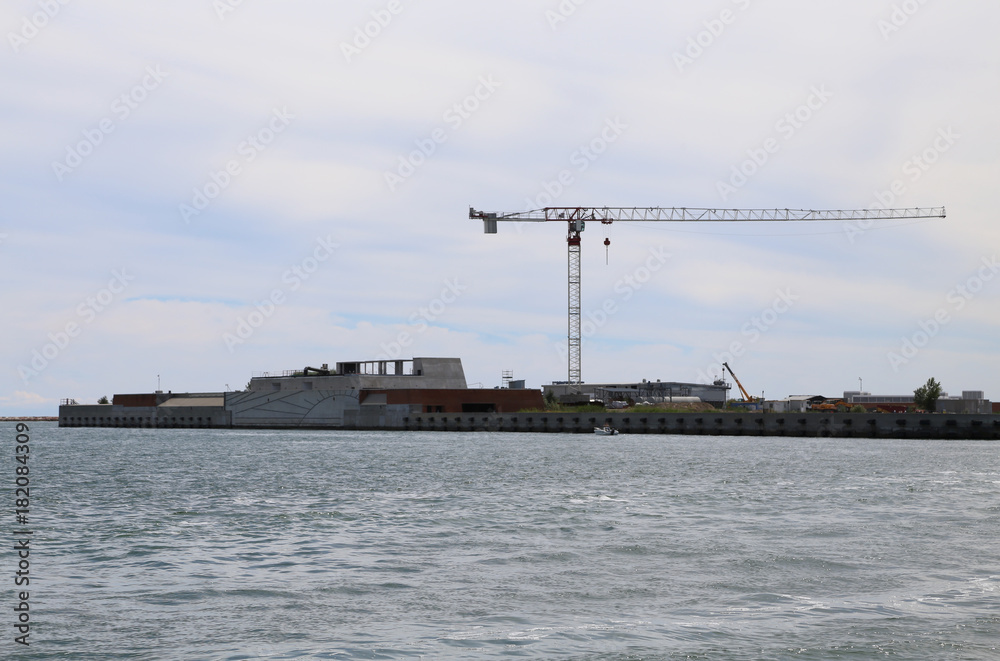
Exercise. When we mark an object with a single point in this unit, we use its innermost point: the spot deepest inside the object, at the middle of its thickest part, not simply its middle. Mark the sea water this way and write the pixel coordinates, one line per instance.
(226, 545)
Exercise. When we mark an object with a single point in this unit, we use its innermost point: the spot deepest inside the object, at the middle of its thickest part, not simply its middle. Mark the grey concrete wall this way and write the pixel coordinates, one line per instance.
(293, 408)
(319, 409)
(110, 415)
(909, 425)
(439, 372)
(964, 406)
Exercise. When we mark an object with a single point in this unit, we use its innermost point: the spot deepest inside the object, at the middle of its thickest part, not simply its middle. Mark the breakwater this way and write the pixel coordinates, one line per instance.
(706, 423)
(719, 423)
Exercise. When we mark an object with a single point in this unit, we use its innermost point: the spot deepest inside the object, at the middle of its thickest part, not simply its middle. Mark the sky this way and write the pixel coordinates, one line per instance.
(199, 191)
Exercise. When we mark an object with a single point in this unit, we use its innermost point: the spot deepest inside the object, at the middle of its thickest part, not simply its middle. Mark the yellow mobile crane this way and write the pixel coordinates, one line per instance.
(746, 397)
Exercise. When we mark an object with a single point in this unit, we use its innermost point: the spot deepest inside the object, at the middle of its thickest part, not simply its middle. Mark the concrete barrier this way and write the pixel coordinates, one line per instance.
(708, 423)
(718, 423)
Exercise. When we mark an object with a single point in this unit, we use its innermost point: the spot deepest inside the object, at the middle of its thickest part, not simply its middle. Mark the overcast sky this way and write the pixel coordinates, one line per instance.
(197, 191)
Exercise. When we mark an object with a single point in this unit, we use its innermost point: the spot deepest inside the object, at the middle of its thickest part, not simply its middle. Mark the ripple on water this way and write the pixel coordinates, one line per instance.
(456, 546)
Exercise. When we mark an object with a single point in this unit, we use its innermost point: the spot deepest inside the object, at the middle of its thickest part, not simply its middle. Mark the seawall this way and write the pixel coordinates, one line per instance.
(709, 423)
(718, 423)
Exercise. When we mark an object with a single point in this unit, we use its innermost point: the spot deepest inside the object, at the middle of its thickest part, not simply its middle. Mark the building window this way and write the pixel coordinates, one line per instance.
(479, 408)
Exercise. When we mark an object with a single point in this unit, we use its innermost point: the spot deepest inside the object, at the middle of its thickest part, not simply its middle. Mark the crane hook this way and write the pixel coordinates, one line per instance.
(607, 257)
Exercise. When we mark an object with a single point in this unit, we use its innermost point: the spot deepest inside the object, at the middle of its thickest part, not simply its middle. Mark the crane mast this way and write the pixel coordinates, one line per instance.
(574, 337)
(576, 218)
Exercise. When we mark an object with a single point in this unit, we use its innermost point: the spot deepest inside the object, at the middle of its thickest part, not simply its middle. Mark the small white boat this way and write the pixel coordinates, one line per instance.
(605, 431)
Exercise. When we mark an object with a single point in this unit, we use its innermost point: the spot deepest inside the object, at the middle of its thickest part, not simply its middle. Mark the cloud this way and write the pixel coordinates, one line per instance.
(24, 401)
(353, 122)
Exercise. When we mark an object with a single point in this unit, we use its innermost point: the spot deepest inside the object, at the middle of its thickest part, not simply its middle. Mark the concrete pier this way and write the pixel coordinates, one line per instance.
(718, 423)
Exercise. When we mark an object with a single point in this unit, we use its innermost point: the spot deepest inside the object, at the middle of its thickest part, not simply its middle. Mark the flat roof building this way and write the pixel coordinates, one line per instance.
(650, 392)
(971, 401)
(370, 394)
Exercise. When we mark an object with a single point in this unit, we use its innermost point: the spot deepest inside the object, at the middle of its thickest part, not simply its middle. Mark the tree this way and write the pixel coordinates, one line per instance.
(926, 396)
(103, 400)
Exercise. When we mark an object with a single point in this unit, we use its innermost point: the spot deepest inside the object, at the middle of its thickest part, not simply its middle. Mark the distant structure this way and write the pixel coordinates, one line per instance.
(793, 403)
(971, 401)
(360, 394)
(645, 392)
(156, 409)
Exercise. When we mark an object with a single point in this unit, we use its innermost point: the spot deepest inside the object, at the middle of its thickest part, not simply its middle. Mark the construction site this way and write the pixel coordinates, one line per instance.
(432, 393)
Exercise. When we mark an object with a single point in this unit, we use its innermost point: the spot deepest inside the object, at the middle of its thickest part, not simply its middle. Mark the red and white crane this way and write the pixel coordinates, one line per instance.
(576, 218)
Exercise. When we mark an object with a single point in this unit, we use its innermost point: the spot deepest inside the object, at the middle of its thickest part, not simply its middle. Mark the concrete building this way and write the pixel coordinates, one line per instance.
(157, 409)
(651, 392)
(884, 403)
(369, 394)
(793, 403)
(971, 401)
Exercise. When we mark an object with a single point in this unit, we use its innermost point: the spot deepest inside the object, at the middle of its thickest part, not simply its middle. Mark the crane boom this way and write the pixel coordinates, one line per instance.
(746, 396)
(677, 214)
(576, 218)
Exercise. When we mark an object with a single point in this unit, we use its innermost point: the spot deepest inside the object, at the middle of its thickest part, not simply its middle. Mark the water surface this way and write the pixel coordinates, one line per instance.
(225, 545)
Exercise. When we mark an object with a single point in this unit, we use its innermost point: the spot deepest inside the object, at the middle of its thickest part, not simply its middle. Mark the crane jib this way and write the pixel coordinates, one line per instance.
(576, 218)
(687, 214)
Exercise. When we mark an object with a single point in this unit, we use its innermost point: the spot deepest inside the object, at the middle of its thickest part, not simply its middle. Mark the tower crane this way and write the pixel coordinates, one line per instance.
(576, 218)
